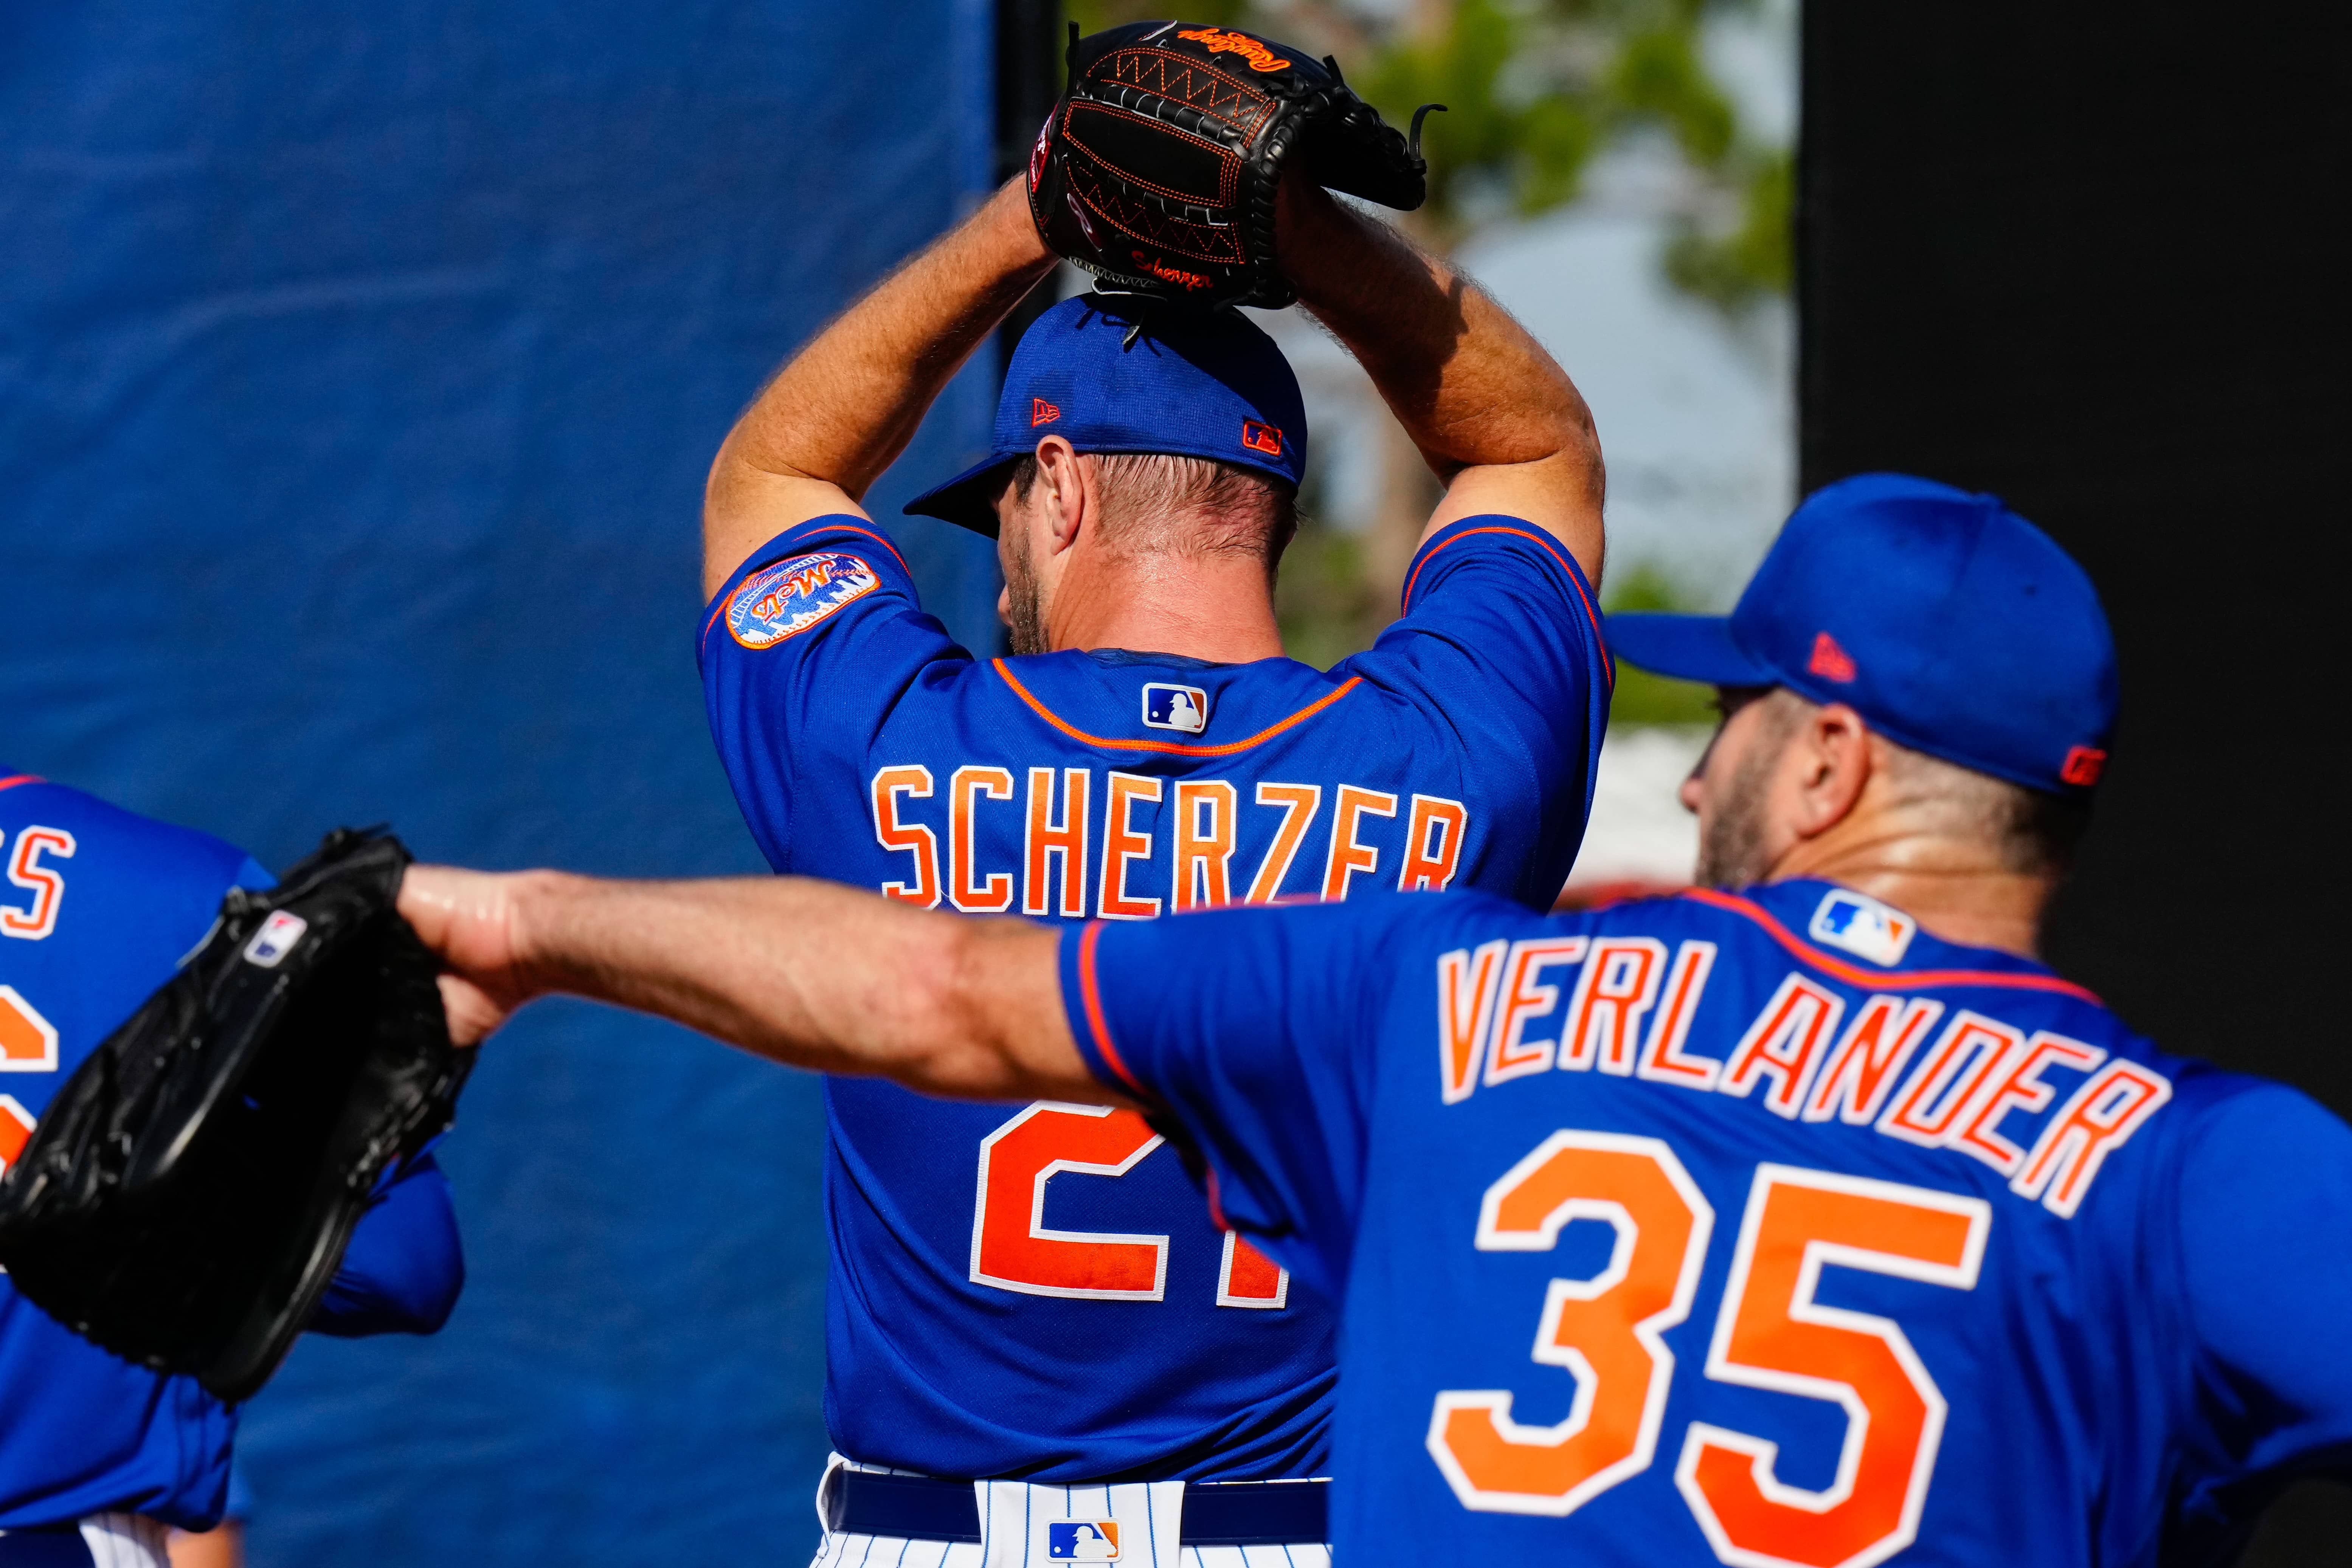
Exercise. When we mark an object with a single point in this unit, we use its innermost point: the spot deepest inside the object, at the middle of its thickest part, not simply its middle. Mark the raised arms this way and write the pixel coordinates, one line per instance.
(847, 404)
(1494, 416)
(804, 973)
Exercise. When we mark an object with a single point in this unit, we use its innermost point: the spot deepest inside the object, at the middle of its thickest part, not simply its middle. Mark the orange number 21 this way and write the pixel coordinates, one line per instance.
(1014, 1249)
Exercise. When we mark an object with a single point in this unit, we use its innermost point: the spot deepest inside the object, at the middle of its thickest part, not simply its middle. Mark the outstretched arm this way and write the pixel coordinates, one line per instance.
(1494, 416)
(847, 404)
(805, 973)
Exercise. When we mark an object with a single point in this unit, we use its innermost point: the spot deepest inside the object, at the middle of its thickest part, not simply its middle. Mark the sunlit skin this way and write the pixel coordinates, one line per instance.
(810, 973)
(839, 981)
(1494, 417)
(1499, 423)
(1216, 606)
(830, 978)
(222, 1546)
(1828, 805)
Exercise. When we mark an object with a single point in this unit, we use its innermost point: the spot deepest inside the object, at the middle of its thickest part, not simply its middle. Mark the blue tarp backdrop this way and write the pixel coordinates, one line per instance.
(359, 369)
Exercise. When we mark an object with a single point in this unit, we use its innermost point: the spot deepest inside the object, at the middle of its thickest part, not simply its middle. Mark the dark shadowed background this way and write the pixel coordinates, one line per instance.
(2097, 259)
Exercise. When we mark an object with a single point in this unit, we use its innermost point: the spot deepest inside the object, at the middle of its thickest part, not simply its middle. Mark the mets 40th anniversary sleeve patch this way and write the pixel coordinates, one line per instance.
(788, 598)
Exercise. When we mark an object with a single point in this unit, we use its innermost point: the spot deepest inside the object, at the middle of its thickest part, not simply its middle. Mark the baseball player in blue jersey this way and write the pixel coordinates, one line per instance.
(97, 1457)
(1804, 1220)
(1036, 1294)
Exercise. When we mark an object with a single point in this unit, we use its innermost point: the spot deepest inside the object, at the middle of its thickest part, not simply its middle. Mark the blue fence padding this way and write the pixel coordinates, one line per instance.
(359, 372)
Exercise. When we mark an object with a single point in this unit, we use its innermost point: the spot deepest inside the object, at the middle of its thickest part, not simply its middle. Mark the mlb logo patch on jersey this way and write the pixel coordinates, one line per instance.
(788, 598)
(1082, 1540)
(1184, 708)
(1865, 927)
(275, 940)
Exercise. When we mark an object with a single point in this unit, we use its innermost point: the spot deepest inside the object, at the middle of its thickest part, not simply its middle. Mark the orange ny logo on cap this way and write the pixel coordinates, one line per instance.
(1830, 661)
(2083, 766)
(1042, 412)
(1260, 438)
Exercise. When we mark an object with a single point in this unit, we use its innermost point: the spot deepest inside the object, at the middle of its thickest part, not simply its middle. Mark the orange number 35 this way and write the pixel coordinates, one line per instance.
(1770, 1333)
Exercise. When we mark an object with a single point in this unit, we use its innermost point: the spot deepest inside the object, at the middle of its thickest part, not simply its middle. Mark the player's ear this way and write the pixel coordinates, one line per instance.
(1835, 768)
(1065, 493)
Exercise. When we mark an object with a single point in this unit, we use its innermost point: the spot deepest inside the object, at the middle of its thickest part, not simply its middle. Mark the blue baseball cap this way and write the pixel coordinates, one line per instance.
(1949, 623)
(1128, 374)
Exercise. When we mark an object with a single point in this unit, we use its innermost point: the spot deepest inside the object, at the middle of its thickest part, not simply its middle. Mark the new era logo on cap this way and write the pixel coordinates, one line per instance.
(1830, 661)
(1261, 437)
(1082, 1540)
(1042, 412)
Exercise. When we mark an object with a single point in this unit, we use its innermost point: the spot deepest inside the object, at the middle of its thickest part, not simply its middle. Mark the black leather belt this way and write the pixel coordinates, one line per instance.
(1216, 1513)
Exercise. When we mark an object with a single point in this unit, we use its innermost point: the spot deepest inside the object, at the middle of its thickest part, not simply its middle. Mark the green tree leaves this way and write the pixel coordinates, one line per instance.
(1642, 698)
(1537, 90)
(1534, 90)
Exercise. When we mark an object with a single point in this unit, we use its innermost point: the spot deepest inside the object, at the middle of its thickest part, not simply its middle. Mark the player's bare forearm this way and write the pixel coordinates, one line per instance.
(805, 973)
(847, 404)
(1495, 415)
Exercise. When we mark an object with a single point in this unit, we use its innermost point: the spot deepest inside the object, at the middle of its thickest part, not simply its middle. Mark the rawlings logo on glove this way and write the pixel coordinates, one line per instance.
(1260, 58)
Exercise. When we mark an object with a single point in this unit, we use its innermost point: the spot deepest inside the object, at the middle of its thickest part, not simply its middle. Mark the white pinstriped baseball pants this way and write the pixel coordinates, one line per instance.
(1011, 1513)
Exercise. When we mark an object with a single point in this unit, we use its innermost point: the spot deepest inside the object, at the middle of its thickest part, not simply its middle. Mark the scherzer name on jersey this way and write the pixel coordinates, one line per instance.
(1040, 1291)
(1326, 832)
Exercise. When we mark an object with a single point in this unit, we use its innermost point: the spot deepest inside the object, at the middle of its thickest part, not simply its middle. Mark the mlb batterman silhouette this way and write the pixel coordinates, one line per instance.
(1090, 1545)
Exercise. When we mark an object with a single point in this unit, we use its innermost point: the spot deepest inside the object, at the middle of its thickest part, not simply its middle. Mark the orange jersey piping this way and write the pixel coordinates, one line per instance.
(14, 779)
(1174, 748)
(1092, 996)
(1897, 980)
(1575, 581)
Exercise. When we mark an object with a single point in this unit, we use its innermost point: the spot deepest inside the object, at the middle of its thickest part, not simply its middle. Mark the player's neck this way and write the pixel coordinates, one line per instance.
(1957, 890)
(1215, 607)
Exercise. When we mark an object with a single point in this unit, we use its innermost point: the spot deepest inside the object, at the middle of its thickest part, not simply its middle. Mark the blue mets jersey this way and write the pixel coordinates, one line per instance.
(98, 907)
(1038, 1291)
(1763, 1230)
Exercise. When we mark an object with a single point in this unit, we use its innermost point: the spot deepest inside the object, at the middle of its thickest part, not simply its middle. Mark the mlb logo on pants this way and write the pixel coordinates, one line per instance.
(1082, 1540)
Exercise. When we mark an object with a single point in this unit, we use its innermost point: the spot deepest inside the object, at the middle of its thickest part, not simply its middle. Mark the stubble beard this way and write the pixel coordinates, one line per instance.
(1732, 853)
(1024, 613)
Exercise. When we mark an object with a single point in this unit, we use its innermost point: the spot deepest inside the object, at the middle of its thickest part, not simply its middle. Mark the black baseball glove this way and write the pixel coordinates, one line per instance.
(188, 1195)
(1157, 170)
